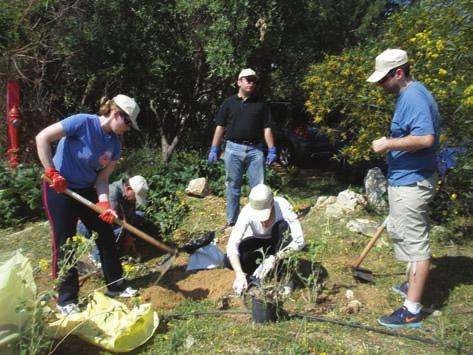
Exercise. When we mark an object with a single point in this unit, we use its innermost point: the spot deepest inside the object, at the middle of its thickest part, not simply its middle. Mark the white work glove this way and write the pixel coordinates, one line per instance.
(266, 266)
(240, 284)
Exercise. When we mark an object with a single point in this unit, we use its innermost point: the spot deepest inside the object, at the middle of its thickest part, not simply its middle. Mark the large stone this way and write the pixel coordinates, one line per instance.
(376, 186)
(335, 211)
(363, 226)
(350, 200)
(323, 201)
(198, 187)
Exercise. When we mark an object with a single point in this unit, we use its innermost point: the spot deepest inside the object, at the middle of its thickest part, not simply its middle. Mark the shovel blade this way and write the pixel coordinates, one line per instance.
(165, 266)
(363, 275)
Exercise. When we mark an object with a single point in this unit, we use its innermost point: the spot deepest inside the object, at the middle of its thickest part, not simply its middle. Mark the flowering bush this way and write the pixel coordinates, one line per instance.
(438, 36)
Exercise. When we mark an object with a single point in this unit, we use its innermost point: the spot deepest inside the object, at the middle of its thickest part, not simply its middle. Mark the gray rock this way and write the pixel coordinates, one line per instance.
(376, 187)
(323, 201)
(198, 187)
(334, 210)
(350, 200)
(363, 226)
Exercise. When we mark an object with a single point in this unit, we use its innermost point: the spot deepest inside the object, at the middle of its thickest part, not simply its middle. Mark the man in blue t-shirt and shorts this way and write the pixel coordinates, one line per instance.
(412, 175)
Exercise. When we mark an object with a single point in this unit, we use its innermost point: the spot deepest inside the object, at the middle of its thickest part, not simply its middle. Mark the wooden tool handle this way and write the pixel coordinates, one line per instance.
(373, 240)
(127, 226)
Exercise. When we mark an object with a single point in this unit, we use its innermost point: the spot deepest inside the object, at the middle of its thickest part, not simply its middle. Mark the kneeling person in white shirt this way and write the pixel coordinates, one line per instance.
(267, 223)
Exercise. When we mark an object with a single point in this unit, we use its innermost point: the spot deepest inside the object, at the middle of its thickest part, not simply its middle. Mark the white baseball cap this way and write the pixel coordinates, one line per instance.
(129, 106)
(140, 187)
(389, 59)
(247, 72)
(261, 202)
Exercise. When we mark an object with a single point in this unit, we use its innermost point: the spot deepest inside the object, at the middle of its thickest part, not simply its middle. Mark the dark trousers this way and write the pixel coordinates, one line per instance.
(63, 213)
(250, 256)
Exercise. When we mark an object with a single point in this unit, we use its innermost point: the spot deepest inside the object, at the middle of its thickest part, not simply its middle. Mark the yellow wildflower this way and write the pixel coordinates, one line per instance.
(468, 91)
(43, 265)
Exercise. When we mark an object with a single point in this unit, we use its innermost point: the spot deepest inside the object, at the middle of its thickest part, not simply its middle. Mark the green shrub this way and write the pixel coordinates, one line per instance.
(20, 196)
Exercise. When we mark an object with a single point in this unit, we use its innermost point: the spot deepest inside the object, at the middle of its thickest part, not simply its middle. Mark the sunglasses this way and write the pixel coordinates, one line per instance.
(125, 117)
(390, 74)
(250, 79)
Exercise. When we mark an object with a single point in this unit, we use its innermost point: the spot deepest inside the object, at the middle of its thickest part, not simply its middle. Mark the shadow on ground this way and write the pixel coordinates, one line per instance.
(447, 273)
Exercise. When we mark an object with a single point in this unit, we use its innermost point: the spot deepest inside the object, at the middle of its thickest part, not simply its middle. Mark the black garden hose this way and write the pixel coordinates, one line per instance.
(311, 318)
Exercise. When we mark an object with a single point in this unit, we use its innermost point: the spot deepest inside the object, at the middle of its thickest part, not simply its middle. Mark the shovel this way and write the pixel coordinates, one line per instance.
(164, 266)
(362, 274)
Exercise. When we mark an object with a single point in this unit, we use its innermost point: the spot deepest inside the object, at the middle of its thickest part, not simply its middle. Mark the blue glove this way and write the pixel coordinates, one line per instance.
(271, 158)
(213, 155)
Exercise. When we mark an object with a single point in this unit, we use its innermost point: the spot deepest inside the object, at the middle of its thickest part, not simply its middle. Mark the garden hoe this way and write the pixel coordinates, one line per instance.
(164, 266)
(362, 274)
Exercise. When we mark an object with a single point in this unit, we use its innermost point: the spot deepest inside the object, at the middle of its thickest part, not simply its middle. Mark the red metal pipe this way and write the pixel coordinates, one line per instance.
(13, 122)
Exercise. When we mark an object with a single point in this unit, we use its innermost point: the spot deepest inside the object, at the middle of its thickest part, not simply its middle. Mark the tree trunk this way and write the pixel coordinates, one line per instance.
(167, 149)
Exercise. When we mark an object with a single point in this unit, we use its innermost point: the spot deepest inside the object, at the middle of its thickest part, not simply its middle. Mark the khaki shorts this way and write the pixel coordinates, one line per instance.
(408, 223)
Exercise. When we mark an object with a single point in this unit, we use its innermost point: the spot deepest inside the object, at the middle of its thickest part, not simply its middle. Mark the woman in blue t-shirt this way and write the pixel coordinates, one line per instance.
(88, 150)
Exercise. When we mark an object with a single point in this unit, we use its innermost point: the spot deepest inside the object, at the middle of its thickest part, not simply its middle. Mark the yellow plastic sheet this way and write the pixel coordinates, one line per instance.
(109, 324)
(17, 290)
(17, 286)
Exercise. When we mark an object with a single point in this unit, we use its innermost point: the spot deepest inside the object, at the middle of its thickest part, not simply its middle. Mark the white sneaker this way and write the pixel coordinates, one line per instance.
(94, 257)
(68, 309)
(126, 293)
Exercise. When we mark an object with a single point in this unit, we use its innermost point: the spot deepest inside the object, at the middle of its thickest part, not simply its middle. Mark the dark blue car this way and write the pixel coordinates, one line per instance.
(298, 139)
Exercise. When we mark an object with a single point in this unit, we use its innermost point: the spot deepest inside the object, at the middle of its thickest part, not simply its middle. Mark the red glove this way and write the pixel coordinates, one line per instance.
(58, 183)
(108, 215)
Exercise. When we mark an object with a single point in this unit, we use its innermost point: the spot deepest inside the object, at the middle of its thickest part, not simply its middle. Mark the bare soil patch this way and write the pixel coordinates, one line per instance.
(205, 284)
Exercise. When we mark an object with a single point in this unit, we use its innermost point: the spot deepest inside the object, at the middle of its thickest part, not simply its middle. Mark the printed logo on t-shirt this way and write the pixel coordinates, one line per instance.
(105, 158)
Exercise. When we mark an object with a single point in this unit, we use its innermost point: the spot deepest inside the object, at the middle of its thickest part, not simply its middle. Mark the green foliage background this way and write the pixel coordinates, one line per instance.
(20, 196)
(182, 55)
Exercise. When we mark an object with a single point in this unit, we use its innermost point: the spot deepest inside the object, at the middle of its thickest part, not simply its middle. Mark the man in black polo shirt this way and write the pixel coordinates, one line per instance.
(246, 123)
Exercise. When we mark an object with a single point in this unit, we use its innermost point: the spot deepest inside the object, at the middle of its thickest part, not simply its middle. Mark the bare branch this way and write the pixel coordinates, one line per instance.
(23, 76)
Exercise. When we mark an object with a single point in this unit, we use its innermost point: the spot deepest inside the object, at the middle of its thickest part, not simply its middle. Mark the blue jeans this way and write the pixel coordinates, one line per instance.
(240, 159)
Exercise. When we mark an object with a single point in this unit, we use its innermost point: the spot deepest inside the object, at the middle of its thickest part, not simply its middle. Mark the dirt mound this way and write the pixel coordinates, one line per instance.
(161, 298)
(205, 284)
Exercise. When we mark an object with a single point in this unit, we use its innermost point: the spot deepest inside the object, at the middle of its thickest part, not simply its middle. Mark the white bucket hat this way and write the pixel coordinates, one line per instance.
(129, 106)
(247, 72)
(140, 187)
(389, 59)
(261, 202)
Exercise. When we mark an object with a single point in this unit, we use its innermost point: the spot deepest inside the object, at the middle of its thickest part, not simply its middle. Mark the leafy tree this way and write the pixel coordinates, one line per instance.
(438, 36)
(29, 37)
(177, 58)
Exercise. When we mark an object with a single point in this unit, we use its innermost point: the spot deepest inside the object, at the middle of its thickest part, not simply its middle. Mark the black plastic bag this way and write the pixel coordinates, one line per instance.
(199, 242)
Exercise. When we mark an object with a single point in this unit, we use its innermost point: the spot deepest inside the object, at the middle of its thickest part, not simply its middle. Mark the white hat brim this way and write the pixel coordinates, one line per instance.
(377, 76)
(140, 199)
(134, 124)
(261, 215)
